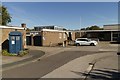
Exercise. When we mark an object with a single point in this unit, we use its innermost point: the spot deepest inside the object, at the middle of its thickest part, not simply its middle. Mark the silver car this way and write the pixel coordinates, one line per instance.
(85, 41)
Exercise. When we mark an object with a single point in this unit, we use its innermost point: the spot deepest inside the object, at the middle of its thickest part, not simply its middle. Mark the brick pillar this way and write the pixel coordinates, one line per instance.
(23, 25)
(32, 43)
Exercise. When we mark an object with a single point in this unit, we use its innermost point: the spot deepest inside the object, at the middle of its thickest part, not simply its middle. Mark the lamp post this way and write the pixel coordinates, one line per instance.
(80, 23)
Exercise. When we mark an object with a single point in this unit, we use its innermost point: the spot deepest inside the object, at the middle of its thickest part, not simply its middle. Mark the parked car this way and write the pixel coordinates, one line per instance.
(85, 41)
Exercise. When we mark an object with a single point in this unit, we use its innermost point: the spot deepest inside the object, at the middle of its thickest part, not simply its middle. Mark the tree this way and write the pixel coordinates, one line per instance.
(87, 28)
(92, 28)
(5, 16)
(83, 28)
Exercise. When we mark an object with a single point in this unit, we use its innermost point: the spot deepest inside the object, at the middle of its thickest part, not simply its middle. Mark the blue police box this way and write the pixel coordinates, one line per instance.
(15, 42)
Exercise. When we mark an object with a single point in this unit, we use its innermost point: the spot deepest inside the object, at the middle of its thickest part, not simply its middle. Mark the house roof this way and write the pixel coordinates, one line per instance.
(50, 30)
(7, 27)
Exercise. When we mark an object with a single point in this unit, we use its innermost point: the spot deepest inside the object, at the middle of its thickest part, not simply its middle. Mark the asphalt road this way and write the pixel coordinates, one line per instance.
(40, 68)
(35, 53)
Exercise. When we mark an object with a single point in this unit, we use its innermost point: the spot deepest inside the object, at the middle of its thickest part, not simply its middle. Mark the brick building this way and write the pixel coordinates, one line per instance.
(4, 35)
(49, 37)
(111, 27)
(109, 33)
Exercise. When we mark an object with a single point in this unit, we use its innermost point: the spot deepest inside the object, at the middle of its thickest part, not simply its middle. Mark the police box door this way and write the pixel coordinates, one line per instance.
(12, 44)
(16, 44)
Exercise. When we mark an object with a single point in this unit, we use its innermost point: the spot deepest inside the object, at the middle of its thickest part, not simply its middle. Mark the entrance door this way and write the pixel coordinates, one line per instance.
(37, 40)
(28, 40)
(12, 44)
(18, 43)
(70, 36)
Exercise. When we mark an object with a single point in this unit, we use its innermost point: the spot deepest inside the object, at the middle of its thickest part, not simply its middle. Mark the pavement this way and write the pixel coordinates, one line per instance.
(10, 61)
(103, 65)
(79, 67)
(108, 70)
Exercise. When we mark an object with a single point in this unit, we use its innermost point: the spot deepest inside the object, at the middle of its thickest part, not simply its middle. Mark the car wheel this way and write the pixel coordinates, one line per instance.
(92, 44)
(77, 44)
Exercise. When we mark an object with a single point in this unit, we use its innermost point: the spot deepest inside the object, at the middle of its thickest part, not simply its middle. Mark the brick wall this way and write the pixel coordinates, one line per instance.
(52, 38)
(5, 35)
(73, 35)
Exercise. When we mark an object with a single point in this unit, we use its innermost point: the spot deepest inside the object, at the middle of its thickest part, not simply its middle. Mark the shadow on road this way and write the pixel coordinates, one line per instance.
(101, 74)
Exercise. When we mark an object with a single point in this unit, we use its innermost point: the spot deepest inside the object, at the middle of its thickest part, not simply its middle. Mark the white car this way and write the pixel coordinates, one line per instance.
(85, 41)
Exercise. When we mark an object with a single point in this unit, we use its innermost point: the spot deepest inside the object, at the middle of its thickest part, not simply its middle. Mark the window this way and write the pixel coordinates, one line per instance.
(13, 38)
(115, 35)
(82, 40)
(78, 39)
(17, 38)
(88, 35)
(115, 39)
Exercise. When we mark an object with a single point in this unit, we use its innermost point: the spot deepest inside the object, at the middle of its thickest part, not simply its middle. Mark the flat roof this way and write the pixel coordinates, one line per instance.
(7, 27)
(48, 26)
(95, 30)
(100, 30)
(53, 30)
(112, 25)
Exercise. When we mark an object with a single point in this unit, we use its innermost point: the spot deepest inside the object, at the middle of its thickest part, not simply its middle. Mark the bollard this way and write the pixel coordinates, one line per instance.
(63, 44)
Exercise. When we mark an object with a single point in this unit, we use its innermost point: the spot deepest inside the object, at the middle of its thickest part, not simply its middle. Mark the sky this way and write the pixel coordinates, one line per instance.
(70, 15)
(60, 0)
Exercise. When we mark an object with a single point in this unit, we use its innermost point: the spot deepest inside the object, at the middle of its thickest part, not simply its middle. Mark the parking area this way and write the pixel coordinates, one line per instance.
(108, 46)
(102, 46)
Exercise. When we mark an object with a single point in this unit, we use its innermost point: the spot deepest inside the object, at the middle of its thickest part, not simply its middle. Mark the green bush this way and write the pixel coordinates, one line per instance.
(6, 53)
(21, 53)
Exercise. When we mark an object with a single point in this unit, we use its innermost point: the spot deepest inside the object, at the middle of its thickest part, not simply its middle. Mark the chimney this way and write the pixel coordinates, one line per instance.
(23, 25)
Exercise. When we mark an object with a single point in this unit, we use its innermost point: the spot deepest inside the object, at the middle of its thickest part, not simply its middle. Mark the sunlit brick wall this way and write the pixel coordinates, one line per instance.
(6, 31)
(53, 38)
